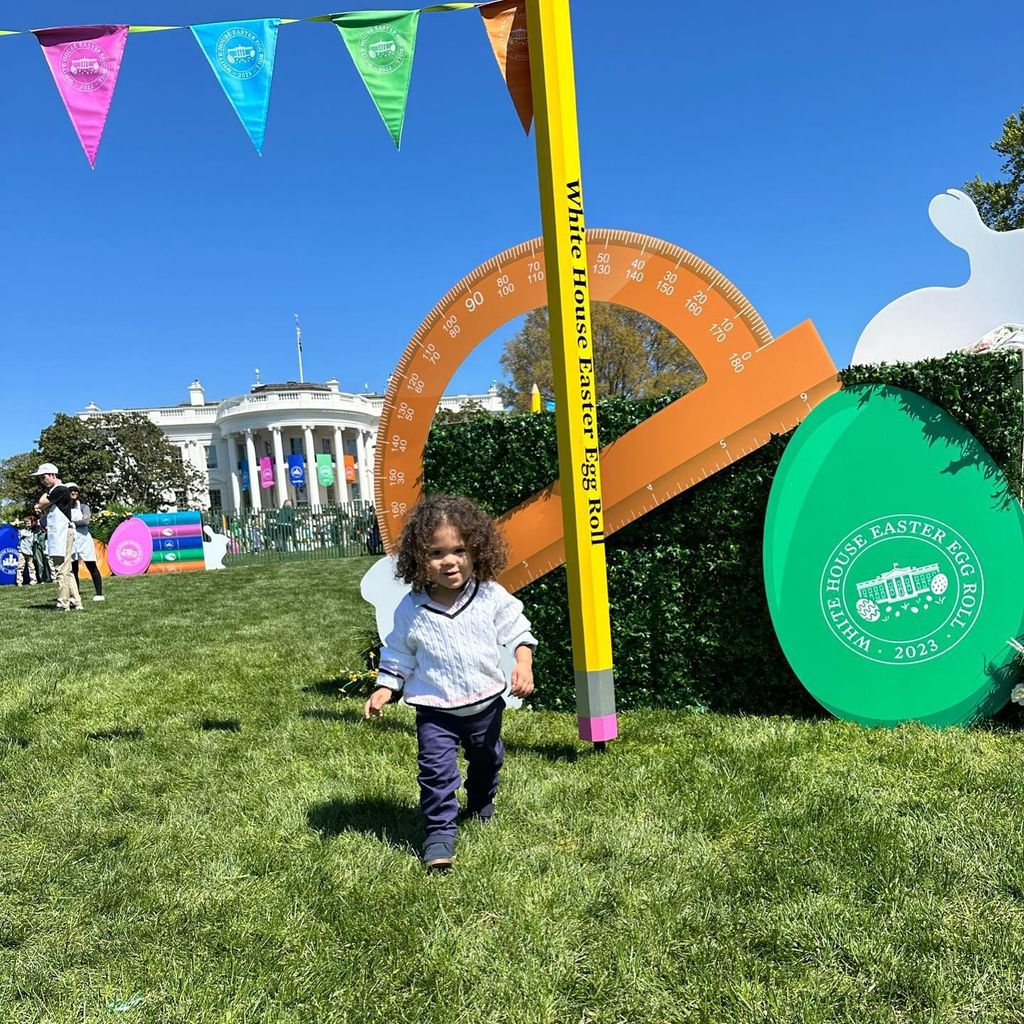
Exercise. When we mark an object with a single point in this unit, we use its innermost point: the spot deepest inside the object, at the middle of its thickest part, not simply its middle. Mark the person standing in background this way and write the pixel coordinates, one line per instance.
(25, 560)
(85, 546)
(55, 504)
(284, 527)
(44, 569)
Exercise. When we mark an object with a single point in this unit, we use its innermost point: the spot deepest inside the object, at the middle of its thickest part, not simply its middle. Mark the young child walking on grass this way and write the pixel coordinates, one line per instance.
(443, 652)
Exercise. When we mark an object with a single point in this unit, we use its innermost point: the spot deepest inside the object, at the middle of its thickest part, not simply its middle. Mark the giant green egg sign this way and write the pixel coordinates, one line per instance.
(894, 562)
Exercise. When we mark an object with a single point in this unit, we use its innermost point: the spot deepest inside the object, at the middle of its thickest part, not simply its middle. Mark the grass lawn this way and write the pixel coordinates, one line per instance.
(197, 827)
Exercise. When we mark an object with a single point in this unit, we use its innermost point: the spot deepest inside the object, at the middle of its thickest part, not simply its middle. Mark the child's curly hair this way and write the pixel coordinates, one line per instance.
(482, 536)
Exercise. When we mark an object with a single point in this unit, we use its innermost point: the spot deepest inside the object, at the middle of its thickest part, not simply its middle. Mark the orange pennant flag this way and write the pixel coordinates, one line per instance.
(505, 22)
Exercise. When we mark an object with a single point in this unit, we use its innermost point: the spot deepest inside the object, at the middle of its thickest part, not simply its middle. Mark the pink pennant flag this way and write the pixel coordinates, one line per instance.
(84, 62)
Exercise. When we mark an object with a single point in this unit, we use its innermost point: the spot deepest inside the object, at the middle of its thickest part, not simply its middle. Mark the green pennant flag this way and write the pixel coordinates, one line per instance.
(382, 45)
(324, 469)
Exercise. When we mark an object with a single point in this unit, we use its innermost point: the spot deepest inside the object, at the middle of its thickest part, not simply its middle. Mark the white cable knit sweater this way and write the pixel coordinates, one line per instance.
(447, 658)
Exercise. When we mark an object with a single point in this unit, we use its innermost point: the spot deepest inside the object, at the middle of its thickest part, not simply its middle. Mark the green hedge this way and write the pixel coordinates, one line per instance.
(690, 624)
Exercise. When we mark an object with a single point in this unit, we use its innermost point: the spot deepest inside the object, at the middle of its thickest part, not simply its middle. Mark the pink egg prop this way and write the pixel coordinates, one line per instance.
(130, 549)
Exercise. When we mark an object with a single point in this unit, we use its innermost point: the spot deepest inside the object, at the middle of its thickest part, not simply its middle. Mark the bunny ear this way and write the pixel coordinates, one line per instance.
(208, 533)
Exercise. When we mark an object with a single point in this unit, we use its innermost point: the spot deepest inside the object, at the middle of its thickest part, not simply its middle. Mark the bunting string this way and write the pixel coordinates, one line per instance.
(432, 9)
(85, 61)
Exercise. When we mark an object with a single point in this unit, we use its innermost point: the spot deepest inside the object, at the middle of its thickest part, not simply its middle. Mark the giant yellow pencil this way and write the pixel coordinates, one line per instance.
(572, 359)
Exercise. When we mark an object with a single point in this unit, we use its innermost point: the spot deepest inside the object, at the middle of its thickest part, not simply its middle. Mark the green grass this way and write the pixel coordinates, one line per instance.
(198, 828)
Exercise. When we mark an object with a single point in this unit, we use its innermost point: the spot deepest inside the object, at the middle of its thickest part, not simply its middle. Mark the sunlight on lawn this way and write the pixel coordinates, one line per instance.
(200, 827)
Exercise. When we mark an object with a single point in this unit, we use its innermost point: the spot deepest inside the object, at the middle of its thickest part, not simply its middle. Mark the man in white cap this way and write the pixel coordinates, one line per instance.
(55, 504)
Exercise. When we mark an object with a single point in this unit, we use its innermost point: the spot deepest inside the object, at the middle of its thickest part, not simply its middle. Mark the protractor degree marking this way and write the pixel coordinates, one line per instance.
(437, 374)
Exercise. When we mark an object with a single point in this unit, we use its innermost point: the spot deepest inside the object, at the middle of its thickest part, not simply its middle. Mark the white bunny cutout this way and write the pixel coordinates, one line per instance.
(932, 322)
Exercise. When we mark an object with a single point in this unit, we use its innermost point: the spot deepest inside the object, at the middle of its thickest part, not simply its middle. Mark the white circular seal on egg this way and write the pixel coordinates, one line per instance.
(901, 589)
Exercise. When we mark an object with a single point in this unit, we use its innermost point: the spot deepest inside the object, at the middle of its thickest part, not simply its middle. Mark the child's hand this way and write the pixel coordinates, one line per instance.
(522, 674)
(374, 707)
(522, 680)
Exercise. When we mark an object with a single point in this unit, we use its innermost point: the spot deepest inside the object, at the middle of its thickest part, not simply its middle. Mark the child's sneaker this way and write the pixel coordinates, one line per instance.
(438, 853)
(99, 597)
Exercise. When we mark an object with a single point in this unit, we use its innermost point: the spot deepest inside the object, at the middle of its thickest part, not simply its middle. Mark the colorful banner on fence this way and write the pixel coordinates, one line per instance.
(84, 62)
(382, 44)
(242, 57)
(505, 22)
(296, 471)
(324, 469)
(266, 471)
(350, 468)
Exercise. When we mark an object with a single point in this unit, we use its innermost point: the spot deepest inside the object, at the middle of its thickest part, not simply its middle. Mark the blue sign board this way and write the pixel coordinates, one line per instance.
(8, 554)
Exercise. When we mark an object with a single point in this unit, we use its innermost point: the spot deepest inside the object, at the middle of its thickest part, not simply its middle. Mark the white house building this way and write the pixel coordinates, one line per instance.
(275, 421)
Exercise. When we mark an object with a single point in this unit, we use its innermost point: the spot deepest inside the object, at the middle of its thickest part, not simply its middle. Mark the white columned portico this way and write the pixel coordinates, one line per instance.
(341, 484)
(364, 489)
(280, 472)
(254, 471)
(312, 484)
(236, 483)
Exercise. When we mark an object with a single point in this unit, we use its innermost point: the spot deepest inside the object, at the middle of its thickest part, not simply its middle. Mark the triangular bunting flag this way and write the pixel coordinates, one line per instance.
(84, 62)
(382, 44)
(505, 22)
(241, 54)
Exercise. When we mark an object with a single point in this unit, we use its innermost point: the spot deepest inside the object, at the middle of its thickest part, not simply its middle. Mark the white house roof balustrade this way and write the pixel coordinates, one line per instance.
(228, 442)
(296, 406)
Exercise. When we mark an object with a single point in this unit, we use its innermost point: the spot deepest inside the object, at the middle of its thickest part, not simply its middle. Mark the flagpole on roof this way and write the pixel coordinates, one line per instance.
(298, 343)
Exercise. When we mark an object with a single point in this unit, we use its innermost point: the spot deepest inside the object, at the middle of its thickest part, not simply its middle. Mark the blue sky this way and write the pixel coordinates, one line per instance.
(793, 146)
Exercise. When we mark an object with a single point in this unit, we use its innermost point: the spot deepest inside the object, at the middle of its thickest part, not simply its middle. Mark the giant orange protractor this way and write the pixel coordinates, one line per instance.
(755, 386)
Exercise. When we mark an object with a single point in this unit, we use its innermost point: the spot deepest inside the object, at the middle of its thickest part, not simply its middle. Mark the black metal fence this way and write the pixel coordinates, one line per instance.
(282, 534)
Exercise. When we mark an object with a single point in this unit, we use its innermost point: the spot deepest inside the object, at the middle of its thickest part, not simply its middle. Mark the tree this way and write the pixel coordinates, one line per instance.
(148, 469)
(634, 356)
(81, 451)
(15, 482)
(123, 458)
(1001, 203)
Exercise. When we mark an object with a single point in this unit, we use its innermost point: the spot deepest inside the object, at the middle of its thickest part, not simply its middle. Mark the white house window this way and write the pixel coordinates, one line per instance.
(211, 456)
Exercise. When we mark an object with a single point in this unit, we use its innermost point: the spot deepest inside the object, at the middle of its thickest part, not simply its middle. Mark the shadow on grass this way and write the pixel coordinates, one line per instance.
(352, 716)
(221, 725)
(393, 823)
(328, 688)
(134, 733)
(1006, 719)
(13, 741)
(549, 751)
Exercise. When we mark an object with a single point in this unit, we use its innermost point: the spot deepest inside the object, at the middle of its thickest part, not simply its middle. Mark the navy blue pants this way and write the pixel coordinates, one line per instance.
(439, 736)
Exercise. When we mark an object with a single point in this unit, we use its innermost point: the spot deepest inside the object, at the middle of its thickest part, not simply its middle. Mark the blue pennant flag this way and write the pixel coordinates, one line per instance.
(241, 54)
(297, 470)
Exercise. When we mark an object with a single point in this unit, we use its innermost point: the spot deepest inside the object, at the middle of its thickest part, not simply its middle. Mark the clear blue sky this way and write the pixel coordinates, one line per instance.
(794, 146)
